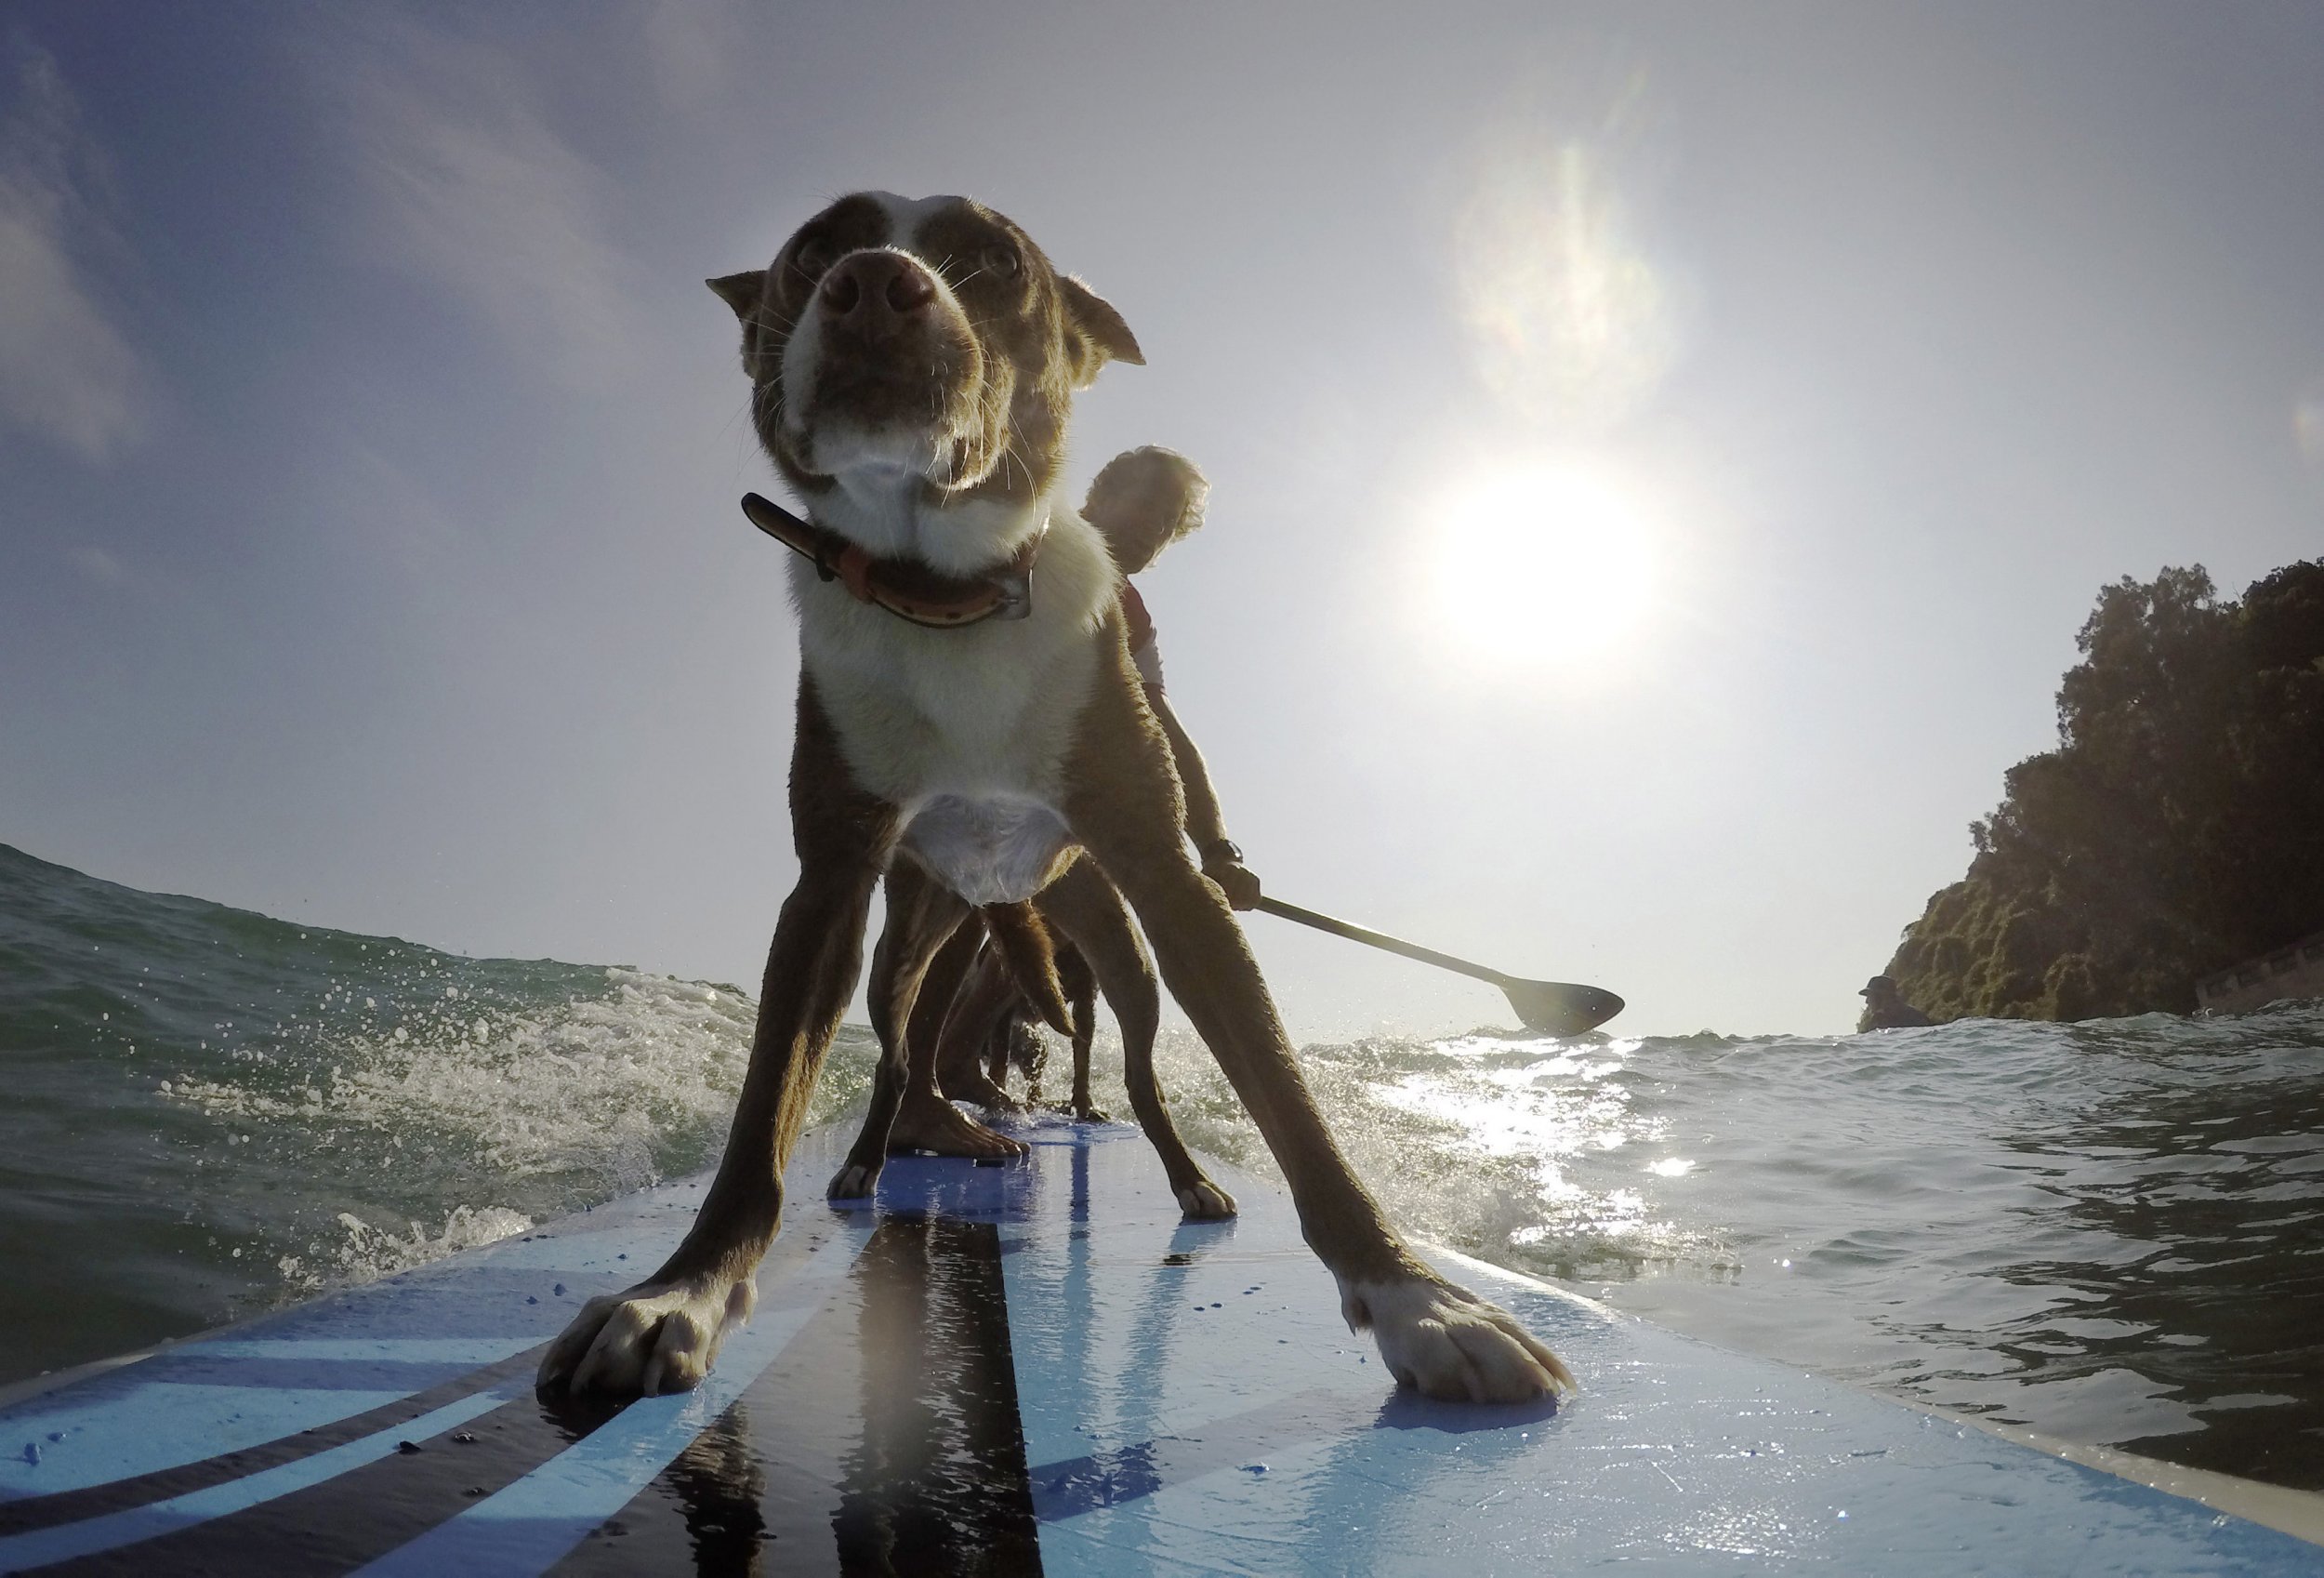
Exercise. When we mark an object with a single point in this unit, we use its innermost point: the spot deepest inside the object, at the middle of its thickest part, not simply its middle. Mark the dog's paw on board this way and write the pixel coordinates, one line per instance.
(656, 1338)
(929, 1122)
(852, 1182)
(1448, 1344)
(1203, 1201)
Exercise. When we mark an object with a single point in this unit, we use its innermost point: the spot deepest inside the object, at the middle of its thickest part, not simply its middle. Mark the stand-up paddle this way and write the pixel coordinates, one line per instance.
(1554, 1008)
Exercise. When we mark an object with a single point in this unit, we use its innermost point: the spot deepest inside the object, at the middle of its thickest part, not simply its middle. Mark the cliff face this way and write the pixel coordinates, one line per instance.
(2177, 828)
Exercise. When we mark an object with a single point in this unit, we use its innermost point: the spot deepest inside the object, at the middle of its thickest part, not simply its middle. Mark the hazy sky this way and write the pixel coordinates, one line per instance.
(1662, 454)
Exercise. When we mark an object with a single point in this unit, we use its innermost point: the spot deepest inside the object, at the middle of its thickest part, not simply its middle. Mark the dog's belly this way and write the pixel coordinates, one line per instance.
(989, 850)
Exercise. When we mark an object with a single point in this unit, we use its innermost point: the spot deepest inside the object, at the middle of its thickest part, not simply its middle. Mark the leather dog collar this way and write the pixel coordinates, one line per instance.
(905, 588)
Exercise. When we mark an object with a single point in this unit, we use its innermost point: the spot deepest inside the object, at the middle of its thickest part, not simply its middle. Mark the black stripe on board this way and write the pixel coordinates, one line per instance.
(71, 1506)
(342, 1522)
(114, 1495)
(347, 1520)
(884, 1440)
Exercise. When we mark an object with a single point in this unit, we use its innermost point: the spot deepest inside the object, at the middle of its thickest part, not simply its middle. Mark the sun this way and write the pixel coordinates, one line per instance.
(1540, 563)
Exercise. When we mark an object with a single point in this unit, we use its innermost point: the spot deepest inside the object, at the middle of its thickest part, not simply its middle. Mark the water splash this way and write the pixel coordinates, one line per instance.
(2104, 1231)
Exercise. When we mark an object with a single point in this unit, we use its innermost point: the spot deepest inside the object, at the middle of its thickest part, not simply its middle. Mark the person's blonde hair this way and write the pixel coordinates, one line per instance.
(1149, 497)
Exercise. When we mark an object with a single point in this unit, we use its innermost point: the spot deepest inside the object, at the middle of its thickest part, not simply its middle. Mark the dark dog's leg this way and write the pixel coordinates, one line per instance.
(987, 1010)
(996, 1049)
(662, 1335)
(918, 1124)
(1029, 1049)
(923, 917)
(1087, 910)
(927, 1119)
(941, 986)
(1123, 803)
(1081, 996)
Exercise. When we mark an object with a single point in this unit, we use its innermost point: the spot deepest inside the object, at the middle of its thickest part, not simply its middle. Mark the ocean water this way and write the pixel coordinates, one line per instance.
(2110, 1232)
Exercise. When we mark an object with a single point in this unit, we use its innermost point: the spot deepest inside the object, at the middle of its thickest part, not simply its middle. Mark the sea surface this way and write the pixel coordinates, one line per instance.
(2110, 1232)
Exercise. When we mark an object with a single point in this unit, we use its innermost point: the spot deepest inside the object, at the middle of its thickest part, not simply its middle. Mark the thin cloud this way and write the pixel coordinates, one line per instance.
(2307, 422)
(693, 48)
(1574, 317)
(68, 375)
(99, 564)
(471, 188)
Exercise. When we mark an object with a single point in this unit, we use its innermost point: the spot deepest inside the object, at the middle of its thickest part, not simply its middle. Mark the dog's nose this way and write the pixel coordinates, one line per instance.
(870, 285)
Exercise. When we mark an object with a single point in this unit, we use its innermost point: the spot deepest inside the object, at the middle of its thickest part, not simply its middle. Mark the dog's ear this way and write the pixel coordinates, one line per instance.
(1097, 329)
(743, 292)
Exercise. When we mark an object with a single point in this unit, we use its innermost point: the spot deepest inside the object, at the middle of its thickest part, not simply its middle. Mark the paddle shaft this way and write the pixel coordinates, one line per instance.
(1355, 933)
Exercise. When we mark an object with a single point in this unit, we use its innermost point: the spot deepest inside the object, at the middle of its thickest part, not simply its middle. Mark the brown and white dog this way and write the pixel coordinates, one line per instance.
(974, 998)
(913, 364)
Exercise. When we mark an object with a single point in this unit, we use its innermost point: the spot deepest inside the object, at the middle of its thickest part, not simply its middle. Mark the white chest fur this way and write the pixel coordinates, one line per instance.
(967, 731)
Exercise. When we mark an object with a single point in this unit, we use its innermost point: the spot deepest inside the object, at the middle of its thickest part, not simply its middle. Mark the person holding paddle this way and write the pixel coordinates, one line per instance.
(1142, 501)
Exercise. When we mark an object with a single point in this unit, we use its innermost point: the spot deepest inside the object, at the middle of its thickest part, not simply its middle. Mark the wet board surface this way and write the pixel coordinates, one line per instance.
(1029, 1367)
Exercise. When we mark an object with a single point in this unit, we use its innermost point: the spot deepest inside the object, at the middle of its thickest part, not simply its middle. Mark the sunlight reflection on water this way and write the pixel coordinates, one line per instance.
(2102, 1231)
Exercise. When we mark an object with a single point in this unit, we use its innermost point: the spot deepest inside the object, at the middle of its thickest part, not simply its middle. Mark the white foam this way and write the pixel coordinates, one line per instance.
(485, 1119)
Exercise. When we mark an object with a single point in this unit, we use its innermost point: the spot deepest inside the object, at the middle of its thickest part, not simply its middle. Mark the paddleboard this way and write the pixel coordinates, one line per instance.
(1034, 1367)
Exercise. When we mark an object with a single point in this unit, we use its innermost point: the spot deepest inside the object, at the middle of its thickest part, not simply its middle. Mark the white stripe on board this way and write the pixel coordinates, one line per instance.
(367, 1350)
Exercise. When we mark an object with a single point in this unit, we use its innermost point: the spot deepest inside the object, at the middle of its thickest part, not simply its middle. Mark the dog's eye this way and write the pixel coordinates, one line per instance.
(1001, 262)
(812, 258)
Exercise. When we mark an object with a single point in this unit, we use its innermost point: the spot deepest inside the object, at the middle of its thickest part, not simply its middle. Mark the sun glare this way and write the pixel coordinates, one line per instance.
(1541, 563)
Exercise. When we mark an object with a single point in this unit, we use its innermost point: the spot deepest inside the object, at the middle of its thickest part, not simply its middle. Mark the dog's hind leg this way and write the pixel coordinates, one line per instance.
(662, 1335)
(1124, 805)
(1081, 996)
(1089, 913)
(924, 917)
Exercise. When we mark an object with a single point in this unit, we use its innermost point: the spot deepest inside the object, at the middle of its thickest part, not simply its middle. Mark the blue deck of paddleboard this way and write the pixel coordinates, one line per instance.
(1030, 1367)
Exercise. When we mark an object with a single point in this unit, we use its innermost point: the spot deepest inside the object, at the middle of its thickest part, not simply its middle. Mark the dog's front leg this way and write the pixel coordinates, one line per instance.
(662, 1335)
(1434, 1337)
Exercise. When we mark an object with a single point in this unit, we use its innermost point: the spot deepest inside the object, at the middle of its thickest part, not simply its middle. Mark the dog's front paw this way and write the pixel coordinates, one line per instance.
(1203, 1201)
(656, 1338)
(1448, 1344)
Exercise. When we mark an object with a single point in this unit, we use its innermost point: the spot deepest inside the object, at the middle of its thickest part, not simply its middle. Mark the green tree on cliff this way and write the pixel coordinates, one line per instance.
(2177, 828)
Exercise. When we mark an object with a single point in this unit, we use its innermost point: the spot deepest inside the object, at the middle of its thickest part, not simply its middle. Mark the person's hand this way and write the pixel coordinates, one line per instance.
(1235, 880)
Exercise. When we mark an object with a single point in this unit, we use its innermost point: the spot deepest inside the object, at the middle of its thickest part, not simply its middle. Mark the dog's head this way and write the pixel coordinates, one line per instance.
(917, 356)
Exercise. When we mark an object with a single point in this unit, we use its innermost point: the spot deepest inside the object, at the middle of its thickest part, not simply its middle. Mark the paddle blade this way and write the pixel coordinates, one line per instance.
(1559, 1008)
